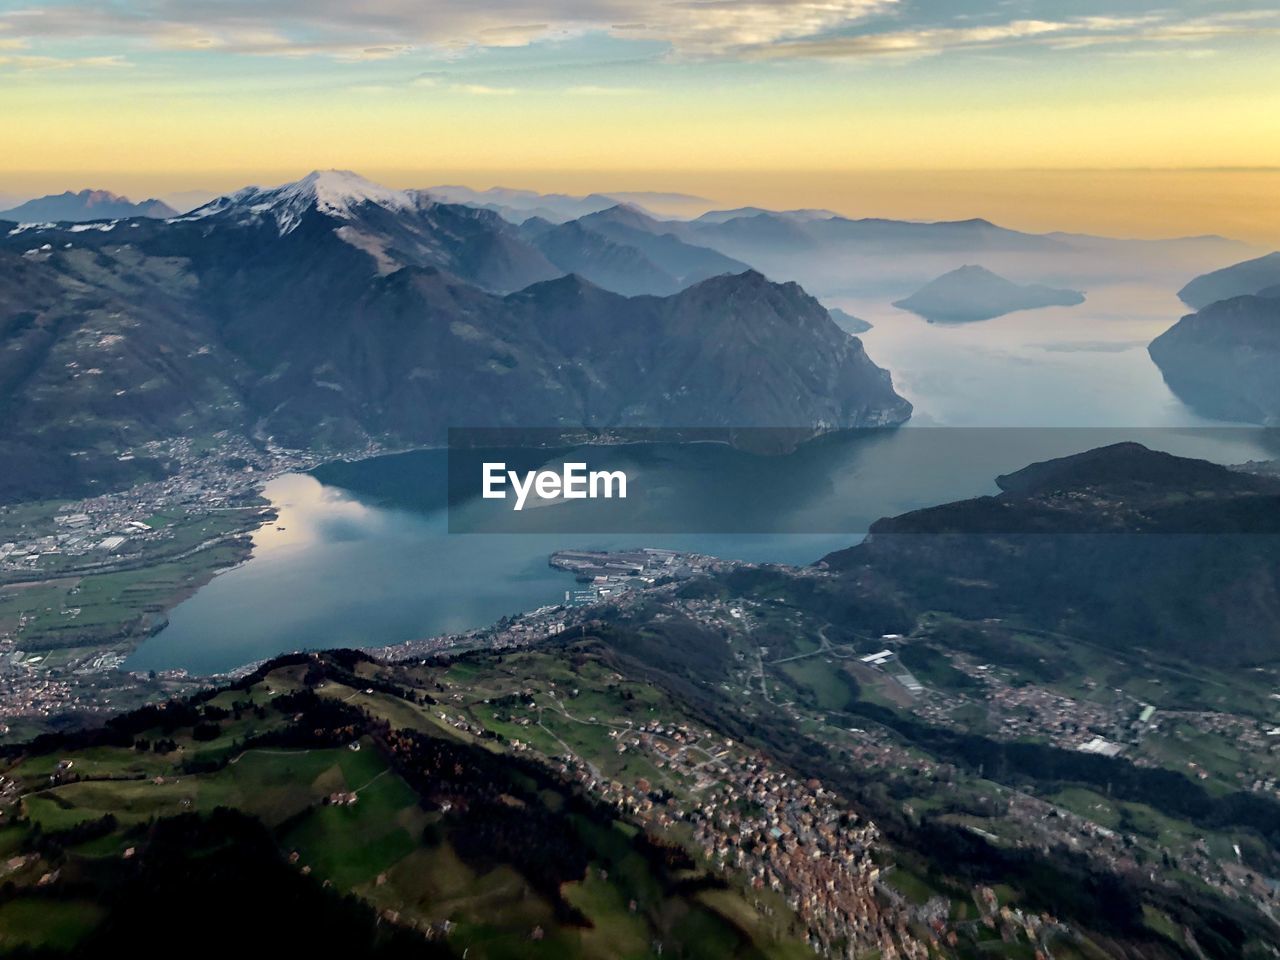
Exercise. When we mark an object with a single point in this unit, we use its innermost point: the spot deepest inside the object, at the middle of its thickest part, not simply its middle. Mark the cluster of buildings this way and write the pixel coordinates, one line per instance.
(92, 534)
(508, 633)
(1013, 923)
(795, 838)
(1028, 710)
(615, 577)
(612, 571)
(768, 828)
(26, 693)
(1255, 741)
(1112, 726)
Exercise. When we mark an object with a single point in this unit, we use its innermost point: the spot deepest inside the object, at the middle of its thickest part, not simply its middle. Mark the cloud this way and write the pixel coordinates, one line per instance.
(1073, 33)
(480, 90)
(385, 52)
(692, 29)
(911, 42)
(40, 62)
(713, 27)
(390, 27)
(1250, 23)
(591, 90)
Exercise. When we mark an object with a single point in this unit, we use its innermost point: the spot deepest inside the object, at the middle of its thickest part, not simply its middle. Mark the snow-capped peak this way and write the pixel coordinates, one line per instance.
(333, 192)
(336, 191)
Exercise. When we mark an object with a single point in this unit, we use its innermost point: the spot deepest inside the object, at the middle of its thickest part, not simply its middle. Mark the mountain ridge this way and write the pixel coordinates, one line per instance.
(83, 206)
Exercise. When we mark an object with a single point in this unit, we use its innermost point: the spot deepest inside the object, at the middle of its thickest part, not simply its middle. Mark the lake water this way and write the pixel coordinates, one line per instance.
(362, 553)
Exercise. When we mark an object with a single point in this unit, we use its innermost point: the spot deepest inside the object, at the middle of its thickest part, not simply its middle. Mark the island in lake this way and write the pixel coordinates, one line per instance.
(972, 293)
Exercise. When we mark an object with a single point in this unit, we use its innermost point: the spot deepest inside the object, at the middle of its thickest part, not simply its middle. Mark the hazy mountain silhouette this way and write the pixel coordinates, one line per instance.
(1224, 360)
(1250, 276)
(84, 206)
(974, 293)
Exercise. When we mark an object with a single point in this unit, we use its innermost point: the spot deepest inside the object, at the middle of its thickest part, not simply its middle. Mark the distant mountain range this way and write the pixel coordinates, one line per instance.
(837, 256)
(830, 255)
(974, 293)
(724, 216)
(84, 206)
(332, 311)
(519, 205)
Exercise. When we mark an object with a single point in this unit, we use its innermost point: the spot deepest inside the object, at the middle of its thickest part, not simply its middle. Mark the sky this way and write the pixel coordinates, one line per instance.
(1144, 118)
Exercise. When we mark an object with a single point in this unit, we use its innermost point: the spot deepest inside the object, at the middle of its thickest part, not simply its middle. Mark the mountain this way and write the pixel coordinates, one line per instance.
(615, 266)
(411, 228)
(975, 293)
(84, 206)
(663, 203)
(332, 311)
(835, 256)
(339, 209)
(686, 262)
(768, 239)
(519, 205)
(723, 216)
(805, 231)
(1224, 360)
(621, 249)
(848, 322)
(1248, 277)
(1138, 548)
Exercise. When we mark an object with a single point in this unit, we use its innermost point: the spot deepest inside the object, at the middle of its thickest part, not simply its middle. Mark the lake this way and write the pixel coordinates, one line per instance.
(362, 554)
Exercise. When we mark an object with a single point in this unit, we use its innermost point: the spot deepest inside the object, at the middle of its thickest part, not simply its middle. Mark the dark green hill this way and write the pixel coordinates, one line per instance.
(320, 803)
(1135, 548)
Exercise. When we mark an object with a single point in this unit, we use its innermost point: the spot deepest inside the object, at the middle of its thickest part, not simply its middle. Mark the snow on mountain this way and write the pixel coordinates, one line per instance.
(335, 193)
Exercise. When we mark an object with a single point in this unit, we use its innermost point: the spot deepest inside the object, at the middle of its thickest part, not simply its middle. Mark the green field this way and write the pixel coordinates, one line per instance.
(37, 922)
(68, 614)
(819, 680)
